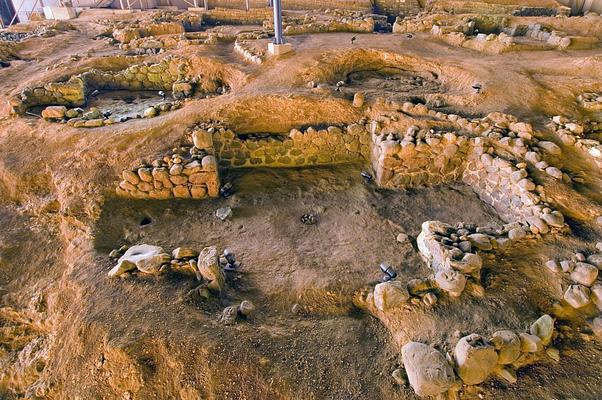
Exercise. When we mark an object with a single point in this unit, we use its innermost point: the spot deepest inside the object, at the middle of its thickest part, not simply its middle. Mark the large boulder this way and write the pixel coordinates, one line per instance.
(144, 257)
(390, 294)
(210, 270)
(428, 371)
(476, 359)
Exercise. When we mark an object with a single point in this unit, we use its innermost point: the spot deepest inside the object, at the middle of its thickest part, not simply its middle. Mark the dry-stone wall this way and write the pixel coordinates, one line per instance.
(508, 188)
(308, 147)
(397, 7)
(336, 21)
(408, 161)
(161, 76)
(127, 34)
(233, 16)
(362, 5)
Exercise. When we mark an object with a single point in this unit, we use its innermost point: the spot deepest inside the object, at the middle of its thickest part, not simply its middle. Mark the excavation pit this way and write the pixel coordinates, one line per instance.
(396, 83)
(273, 200)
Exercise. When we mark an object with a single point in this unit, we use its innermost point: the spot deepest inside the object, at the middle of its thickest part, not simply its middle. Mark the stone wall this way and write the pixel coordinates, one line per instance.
(155, 43)
(145, 76)
(311, 146)
(507, 188)
(397, 7)
(127, 34)
(479, 155)
(363, 5)
(188, 172)
(432, 158)
(238, 16)
(344, 24)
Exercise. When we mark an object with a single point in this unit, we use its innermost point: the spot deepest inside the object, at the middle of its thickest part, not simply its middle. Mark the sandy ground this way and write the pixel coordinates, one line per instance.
(67, 331)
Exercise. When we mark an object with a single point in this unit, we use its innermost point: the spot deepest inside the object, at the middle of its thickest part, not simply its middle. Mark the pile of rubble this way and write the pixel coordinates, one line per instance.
(591, 101)
(581, 135)
(582, 271)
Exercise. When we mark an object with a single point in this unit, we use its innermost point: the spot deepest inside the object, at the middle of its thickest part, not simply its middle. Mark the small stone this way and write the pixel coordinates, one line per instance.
(554, 172)
(507, 343)
(577, 296)
(202, 139)
(506, 373)
(465, 246)
(597, 326)
(555, 219)
(150, 112)
(550, 147)
(475, 359)
(223, 213)
(553, 266)
(567, 266)
(246, 308)
(530, 343)
(418, 286)
(480, 241)
(430, 299)
(596, 295)
(229, 315)
(584, 274)
(54, 112)
(72, 113)
(517, 234)
(595, 260)
(209, 163)
(402, 238)
(399, 377)
(145, 257)
(184, 252)
(391, 294)
(543, 328)
(358, 99)
(553, 353)
(115, 253)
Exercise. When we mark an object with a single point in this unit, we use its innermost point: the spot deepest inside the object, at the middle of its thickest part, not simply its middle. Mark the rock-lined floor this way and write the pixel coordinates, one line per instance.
(303, 311)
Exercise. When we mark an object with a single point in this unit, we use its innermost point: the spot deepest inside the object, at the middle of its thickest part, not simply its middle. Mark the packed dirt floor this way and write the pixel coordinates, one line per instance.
(69, 331)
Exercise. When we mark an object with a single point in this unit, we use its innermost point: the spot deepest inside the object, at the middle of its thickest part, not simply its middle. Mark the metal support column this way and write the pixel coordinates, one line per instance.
(278, 39)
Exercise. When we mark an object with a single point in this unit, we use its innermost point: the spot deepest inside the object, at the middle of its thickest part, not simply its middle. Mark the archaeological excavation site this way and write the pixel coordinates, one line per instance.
(301, 199)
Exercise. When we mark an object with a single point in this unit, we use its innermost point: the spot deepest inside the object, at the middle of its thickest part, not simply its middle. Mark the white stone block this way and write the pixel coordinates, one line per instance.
(61, 13)
(279, 49)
